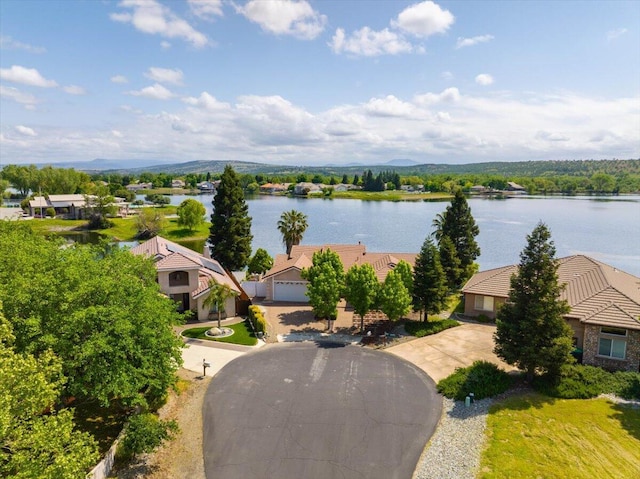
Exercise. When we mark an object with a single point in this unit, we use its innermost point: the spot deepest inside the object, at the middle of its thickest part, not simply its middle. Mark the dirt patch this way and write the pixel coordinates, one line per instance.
(182, 457)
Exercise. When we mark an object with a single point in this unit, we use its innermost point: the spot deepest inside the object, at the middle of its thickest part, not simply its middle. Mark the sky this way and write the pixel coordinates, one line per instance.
(311, 83)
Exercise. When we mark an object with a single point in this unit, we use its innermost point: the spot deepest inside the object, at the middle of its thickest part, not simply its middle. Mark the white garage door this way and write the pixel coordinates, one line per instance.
(292, 291)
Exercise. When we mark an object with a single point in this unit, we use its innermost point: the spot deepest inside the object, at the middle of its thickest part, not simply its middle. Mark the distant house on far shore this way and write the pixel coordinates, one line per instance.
(511, 186)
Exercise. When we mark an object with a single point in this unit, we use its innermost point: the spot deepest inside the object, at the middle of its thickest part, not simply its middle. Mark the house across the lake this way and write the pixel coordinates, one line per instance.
(604, 301)
(73, 206)
(284, 282)
(185, 276)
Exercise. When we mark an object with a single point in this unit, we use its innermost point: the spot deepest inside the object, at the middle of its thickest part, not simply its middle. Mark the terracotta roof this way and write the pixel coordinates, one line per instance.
(301, 257)
(596, 292)
(171, 256)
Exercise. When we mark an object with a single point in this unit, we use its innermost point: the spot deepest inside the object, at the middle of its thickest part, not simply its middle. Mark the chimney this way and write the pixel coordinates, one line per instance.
(206, 252)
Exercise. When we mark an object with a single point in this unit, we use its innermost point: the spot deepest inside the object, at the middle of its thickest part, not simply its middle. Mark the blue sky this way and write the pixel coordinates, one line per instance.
(316, 82)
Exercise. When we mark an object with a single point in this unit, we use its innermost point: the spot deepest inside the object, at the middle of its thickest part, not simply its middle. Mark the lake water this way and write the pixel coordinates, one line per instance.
(605, 228)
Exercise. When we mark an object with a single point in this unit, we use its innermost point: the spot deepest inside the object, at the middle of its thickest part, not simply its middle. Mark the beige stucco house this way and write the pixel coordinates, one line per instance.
(284, 282)
(185, 276)
(73, 206)
(604, 301)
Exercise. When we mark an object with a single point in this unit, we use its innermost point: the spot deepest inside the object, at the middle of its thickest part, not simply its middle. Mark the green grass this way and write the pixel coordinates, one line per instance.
(534, 436)
(420, 329)
(394, 195)
(242, 334)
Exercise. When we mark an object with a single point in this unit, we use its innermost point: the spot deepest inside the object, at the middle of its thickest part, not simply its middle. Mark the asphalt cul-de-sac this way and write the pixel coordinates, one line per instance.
(306, 410)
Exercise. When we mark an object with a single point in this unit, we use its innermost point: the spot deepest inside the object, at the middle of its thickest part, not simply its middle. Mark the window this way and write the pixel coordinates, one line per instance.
(612, 344)
(179, 278)
(484, 303)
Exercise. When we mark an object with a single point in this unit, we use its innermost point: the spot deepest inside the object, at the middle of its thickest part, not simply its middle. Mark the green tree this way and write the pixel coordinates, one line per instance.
(603, 183)
(450, 262)
(405, 271)
(326, 282)
(144, 434)
(191, 213)
(260, 263)
(459, 226)
(34, 444)
(361, 289)
(394, 299)
(100, 312)
(149, 223)
(230, 234)
(530, 330)
(292, 225)
(219, 293)
(158, 200)
(429, 280)
(101, 205)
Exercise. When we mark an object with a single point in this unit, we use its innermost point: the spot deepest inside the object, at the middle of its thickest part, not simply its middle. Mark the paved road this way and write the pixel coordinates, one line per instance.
(305, 410)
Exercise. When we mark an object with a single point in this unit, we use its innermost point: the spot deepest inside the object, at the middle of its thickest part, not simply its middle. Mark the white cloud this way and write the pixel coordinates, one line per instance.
(165, 75)
(447, 75)
(27, 99)
(149, 16)
(285, 17)
(369, 43)
(424, 19)
(449, 95)
(26, 76)
(117, 134)
(156, 91)
(8, 43)
(165, 44)
(25, 130)
(74, 90)
(119, 79)
(484, 79)
(206, 9)
(206, 101)
(613, 34)
(468, 42)
(389, 106)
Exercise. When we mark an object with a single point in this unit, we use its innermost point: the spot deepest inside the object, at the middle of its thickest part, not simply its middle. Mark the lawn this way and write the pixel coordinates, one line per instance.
(535, 436)
(242, 334)
(393, 195)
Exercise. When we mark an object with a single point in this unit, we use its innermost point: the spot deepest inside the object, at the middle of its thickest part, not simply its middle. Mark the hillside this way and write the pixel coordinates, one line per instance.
(510, 169)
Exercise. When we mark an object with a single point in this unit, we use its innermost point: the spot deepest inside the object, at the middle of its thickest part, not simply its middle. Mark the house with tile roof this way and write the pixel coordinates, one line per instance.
(604, 302)
(285, 283)
(185, 276)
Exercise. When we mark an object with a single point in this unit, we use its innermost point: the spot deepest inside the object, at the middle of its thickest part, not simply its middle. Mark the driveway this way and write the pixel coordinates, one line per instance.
(305, 410)
(440, 354)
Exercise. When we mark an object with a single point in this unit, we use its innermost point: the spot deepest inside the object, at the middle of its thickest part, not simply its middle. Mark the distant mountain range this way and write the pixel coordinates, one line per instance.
(401, 166)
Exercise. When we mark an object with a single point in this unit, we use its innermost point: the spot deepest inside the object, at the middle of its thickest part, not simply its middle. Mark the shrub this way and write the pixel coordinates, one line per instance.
(482, 378)
(257, 319)
(51, 212)
(420, 329)
(144, 434)
(582, 382)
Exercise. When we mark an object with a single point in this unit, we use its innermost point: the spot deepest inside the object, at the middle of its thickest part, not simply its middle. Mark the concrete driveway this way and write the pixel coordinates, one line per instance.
(440, 354)
(317, 411)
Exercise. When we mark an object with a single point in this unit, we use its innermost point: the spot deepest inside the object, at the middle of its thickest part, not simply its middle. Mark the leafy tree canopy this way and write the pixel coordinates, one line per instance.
(361, 289)
(394, 299)
(99, 310)
(326, 282)
(191, 213)
(260, 262)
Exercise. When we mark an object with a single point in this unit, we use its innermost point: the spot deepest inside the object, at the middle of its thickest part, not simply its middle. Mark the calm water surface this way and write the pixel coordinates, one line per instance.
(607, 229)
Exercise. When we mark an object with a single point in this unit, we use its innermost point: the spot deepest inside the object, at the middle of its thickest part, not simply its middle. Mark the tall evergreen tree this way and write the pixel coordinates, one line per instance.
(429, 280)
(531, 332)
(230, 233)
(458, 225)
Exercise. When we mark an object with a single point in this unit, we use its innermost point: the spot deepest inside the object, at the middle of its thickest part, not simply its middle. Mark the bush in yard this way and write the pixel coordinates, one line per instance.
(257, 319)
(51, 213)
(144, 434)
(421, 329)
(482, 378)
(582, 382)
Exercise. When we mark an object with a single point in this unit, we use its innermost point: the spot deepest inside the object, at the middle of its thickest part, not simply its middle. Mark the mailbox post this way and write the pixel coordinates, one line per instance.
(205, 365)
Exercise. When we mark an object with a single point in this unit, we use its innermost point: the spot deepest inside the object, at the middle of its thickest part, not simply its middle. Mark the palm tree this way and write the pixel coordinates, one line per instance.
(292, 225)
(218, 295)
